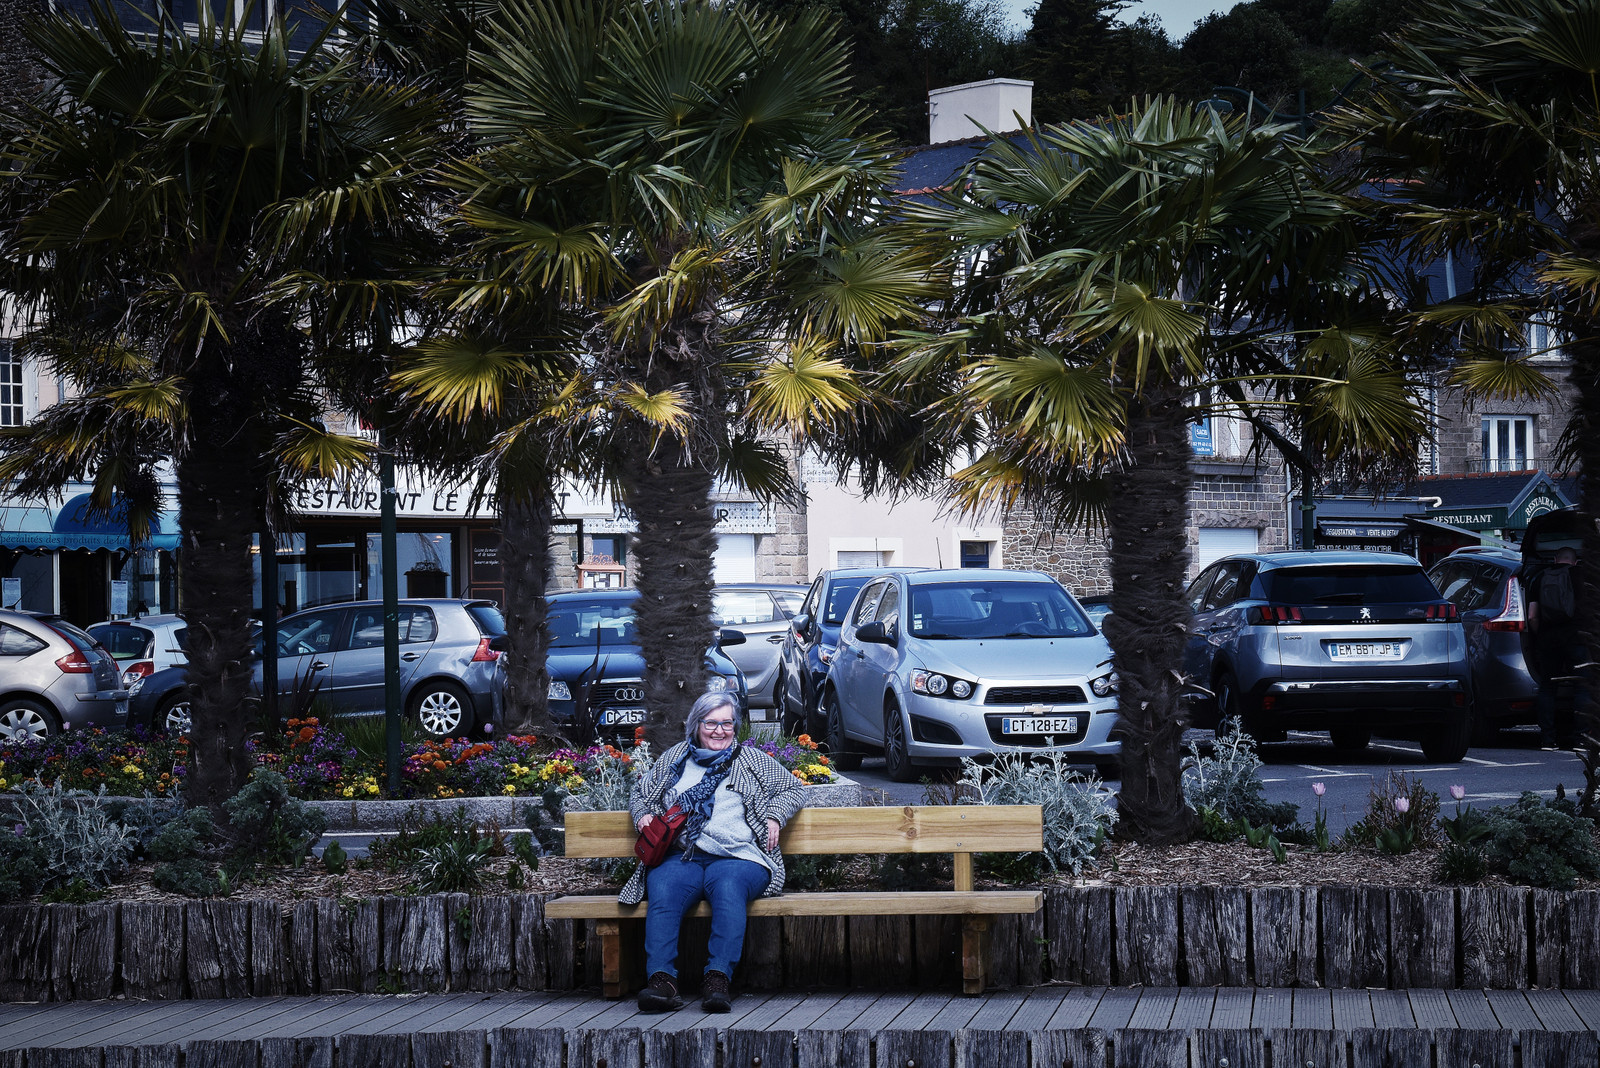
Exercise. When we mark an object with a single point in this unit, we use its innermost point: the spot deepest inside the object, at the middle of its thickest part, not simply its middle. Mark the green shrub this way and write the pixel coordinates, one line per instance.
(1076, 816)
(335, 861)
(184, 837)
(1535, 843)
(74, 833)
(191, 877)
(269, 826)
(454, 866)
(1402, 814)
(821, 871)
(910, 871)
(1461, 863)
(22, 864)
(75, 892)
(1228, 783)
(420, 831)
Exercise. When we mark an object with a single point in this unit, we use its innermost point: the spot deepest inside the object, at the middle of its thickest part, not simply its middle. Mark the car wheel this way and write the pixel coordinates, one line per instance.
(442, 710)
(21, 719)
(1349, 739)
(837, 743)
(174, 716)
(896, 757)
(1229, 718)
(1448, 744)
(789, 719)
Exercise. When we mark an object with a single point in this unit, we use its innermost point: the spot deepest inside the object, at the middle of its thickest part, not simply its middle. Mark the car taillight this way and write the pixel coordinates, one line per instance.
(1511, 619)
(1275, 613)
(1443, 613)
(484, 653)
(74, 663)
(139, 669)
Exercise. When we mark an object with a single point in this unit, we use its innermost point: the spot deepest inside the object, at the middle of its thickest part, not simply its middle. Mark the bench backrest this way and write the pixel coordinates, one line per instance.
(910, 829)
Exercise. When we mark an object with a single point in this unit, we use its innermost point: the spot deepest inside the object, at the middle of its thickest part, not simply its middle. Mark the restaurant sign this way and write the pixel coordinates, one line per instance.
(1471, 518)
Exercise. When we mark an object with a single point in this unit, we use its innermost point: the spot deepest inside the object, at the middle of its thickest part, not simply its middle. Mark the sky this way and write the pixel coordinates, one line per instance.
(1177, 16)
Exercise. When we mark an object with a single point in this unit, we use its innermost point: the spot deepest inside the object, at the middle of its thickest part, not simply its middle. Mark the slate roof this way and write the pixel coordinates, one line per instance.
(1489, 490)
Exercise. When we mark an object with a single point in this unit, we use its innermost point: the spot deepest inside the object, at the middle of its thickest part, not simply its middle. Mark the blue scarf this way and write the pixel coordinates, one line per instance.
(700, 799)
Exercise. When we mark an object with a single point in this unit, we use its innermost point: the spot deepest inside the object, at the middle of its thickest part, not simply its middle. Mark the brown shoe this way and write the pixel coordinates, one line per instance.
(714, 993)
(660, 995)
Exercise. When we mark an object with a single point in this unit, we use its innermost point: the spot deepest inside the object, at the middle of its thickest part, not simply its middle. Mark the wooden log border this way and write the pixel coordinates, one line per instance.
(735, 1048)
(1343, 937)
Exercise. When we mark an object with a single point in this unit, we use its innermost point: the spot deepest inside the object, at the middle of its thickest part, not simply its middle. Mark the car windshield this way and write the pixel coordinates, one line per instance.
(123, 641)
(1356, 584)
(840, 593)
(968, 610)
(586, 624)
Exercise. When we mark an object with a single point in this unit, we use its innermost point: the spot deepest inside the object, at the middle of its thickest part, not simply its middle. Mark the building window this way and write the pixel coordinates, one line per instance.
(1541, 340)
(11, 413)
(1508, 443)
(864, 558)
(975, 553)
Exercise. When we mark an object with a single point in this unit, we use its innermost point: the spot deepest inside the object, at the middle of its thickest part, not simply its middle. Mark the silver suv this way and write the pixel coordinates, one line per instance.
(54, 676)
(1347, 642)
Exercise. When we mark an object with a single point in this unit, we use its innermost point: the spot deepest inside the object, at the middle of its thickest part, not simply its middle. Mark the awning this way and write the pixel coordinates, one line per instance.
(1359, 529)
(1479, 536)
(74, 526)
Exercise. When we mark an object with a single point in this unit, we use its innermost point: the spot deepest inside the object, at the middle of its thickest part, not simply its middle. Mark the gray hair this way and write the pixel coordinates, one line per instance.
(703, 707)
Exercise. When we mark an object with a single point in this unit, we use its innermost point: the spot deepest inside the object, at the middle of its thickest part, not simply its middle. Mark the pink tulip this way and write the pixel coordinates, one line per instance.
(1319, 788)
(1402, 805)
(1458, 792)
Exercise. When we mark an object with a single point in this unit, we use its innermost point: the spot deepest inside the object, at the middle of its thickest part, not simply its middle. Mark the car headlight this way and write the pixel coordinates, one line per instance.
(936, 685)
(825, 653)
(719, 683)
(559, 691)
(136, 685)
(1105, 685)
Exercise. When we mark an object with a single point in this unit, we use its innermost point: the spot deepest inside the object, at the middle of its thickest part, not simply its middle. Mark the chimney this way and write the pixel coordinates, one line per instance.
(957, 111)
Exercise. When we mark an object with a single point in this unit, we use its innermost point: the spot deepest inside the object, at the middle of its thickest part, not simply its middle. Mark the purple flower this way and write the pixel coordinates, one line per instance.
(20, 830)
(1458, 792)
(488, 728)
(1402, 805)
(1319, 788)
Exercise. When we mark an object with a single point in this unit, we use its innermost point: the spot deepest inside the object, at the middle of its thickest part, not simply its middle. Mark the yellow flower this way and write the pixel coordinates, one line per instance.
(3, 784)
(372, 787)
(510, 788)
(349, 792)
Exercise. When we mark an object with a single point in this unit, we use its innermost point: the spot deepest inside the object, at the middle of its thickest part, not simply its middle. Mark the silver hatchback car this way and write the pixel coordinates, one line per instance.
(54, 676)
(933, 666)
(1353, 643)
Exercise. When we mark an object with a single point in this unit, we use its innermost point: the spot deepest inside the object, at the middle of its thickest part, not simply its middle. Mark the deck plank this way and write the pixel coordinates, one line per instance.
(51, 1023)
(1155, 1007)
(1272, 1008)
(844, 1013)
(1232, 1010)
(318, 1019)
(270, 1015)
(1115, 1009)
(805, 1014)
(1472, 1010)
(960, 1012)
(1512, 1011)
(1313, 1009)
(886, 1008)
(390, 1020)
(101, 1030)
(1555, 1012)
(1391, 1009)
(1035, 1013)
(485, 1014)
(1352, 1010)
(228, 1024)
(1431, 1008)
(1586, 1003)
(1194, 1007)
(771, 1011)
(1076, 1009)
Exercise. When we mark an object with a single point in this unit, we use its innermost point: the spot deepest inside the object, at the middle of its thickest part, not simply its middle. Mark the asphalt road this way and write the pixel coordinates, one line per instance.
(1490, 776)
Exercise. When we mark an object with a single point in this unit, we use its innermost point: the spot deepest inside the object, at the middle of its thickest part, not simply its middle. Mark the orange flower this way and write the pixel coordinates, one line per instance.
(439, 765)
(306, 735)
(638, 734)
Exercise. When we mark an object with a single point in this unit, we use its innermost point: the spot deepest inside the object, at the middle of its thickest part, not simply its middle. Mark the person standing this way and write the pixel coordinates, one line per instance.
(737, 798)
(1557, 645)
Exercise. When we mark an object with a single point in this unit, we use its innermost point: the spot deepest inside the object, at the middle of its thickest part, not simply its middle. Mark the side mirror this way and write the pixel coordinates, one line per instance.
(500, 642)
(727, 637)
(874, 632)
(800, 621)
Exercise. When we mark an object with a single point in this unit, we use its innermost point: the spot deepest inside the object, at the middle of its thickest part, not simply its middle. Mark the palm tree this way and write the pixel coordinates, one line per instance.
(710, 151)
(162, 212)
(1485, 113)
(1110, 283)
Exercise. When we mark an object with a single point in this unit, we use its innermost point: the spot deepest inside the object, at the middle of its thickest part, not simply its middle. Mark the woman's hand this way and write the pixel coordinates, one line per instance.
(772, 836)
(644, 821)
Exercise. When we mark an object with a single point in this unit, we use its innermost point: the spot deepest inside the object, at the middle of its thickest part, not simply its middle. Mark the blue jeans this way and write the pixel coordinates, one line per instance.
(677, 884)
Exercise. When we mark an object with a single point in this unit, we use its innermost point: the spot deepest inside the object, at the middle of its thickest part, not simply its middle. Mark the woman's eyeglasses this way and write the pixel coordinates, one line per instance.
(717, 725)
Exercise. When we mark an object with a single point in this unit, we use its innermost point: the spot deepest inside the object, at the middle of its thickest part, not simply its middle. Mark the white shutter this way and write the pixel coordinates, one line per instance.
(1217, 542)
(735, 560)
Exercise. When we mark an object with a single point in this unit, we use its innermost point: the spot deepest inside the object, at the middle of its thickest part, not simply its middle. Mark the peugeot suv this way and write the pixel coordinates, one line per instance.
(1485, 584)
(1353, 643)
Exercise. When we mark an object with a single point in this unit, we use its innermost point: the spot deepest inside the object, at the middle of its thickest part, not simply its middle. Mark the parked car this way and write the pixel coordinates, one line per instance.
(1097, 608)
(1485, 586)
(448, 682)
(762, 614)
(594, 648)
(809, 644)
(144, 646)
(1352, 643)
(933, 666)
(54, 676)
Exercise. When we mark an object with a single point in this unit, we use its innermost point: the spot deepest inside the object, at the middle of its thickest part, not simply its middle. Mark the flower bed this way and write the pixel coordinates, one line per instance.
(334, 762)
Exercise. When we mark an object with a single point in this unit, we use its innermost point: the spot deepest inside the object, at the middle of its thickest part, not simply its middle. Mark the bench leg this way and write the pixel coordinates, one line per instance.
(975, 953)
(619, 956)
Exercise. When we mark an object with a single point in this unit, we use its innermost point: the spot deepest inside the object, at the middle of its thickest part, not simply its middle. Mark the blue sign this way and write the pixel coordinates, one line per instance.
(1200, 438)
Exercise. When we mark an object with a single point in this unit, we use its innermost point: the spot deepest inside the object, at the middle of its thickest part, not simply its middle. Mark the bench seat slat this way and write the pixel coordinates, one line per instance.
(910, 829)
(831, 903)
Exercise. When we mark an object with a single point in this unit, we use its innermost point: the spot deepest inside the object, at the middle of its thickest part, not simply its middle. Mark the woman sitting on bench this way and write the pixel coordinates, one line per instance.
(737, 799)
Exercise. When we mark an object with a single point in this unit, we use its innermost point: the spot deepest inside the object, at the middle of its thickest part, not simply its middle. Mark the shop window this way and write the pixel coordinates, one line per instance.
(609, 549)
(11, 401)
(735, 560)
(976, 553)
(1508, 443)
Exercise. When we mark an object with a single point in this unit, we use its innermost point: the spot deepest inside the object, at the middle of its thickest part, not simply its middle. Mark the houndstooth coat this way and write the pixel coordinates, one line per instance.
(770, 792)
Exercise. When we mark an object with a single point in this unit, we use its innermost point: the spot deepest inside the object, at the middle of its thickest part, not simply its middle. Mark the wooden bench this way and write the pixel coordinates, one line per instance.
(959, 830)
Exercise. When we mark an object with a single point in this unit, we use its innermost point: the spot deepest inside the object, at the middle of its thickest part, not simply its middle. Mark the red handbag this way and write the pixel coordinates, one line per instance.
(655, 841)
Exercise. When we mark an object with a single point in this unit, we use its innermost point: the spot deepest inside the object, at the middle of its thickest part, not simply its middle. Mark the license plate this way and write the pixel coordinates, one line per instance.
(619, 717)
(1368, 650)
(1039, 725)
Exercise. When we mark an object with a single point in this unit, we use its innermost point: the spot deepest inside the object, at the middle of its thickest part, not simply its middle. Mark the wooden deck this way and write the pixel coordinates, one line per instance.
(1041, 1009)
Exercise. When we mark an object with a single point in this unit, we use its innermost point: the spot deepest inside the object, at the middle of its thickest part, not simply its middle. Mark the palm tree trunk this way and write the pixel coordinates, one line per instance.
(525, 565)
(1583, 349)
(219, 502)
(1147, 518)
(670, 496)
